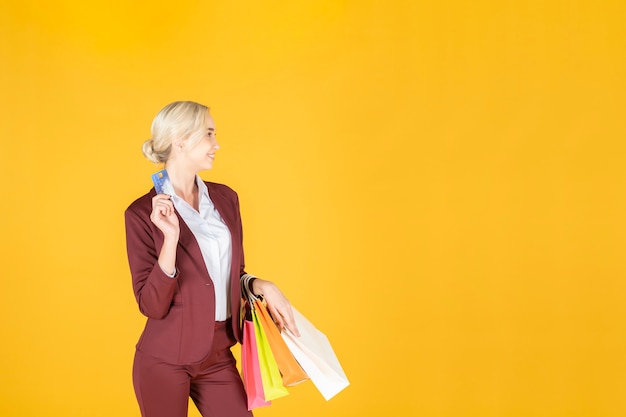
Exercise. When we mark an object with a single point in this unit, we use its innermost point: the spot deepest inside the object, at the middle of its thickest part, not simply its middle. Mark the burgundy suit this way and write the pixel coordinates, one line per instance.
(180, 329)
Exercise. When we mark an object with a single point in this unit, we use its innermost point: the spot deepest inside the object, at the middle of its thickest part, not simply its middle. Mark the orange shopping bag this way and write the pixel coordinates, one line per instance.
(289, 368)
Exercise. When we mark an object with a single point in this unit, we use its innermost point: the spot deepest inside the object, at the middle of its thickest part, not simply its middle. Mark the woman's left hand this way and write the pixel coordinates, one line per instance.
(277, 304)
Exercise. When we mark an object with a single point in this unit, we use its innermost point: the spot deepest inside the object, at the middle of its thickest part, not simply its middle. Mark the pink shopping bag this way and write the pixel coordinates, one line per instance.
(251, 368)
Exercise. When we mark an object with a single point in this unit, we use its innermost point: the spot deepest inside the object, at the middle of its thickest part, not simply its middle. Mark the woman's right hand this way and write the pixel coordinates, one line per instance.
(164, 216)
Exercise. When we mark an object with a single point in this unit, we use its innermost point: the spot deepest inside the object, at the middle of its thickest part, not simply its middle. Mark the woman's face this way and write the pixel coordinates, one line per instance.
(201, 155)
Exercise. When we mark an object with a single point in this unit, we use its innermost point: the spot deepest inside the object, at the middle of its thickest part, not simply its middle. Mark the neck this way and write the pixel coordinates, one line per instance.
(183, 180)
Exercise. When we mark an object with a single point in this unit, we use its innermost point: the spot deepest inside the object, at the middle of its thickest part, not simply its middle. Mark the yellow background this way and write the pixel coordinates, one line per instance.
(438, 186)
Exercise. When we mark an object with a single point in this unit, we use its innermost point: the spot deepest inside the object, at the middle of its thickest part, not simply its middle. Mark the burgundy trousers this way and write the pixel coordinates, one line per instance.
(214, 385)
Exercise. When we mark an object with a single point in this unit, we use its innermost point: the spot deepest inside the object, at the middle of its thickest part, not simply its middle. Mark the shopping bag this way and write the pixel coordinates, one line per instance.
(292, 373)
(270, 375)
(314, 353)
(251, 369)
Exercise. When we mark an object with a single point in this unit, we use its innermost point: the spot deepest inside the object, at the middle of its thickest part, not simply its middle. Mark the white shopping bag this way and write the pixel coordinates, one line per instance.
(313, 352)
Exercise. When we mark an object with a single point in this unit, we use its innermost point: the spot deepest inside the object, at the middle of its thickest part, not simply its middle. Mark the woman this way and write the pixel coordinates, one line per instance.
(186, 259)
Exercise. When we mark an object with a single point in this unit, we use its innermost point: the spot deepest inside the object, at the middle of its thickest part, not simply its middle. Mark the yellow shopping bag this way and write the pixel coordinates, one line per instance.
(270, 375)
(292, 373)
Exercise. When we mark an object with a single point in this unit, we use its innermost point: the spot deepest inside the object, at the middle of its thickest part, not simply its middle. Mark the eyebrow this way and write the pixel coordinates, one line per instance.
(210, 128)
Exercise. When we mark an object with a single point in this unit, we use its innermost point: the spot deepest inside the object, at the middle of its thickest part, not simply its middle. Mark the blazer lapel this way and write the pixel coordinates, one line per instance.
(189, 244)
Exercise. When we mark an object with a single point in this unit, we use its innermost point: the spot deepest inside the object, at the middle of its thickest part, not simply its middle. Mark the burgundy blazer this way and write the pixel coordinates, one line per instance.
(181, 310)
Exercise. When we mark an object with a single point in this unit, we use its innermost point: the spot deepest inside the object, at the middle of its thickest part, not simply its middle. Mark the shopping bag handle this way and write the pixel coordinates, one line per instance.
(246, 293)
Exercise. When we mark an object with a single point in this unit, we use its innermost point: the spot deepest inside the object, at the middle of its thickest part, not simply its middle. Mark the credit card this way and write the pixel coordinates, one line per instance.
(162, 183)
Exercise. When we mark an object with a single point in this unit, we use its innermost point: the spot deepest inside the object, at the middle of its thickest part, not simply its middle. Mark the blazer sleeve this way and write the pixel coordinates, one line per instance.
(153, 289)
(242, 265)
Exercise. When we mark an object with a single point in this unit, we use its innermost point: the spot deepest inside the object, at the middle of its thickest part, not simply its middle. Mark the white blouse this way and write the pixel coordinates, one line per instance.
(215, 244)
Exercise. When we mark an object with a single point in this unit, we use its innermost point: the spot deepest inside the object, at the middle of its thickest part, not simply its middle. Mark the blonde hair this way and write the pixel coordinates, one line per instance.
(185, 120)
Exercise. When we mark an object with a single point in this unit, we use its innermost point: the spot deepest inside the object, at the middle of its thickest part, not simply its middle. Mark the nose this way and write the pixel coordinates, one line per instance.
(213, 141)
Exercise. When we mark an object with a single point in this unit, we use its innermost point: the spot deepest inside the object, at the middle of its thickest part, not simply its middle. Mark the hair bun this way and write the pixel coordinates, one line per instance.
(148, 151)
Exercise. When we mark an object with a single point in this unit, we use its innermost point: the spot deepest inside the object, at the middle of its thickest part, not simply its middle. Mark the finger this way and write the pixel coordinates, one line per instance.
(160, 198)
(165, 207)
(278, 319)
(159, 209)
(161, 201)
(162, 213)
(290, 322)
(284, 318)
